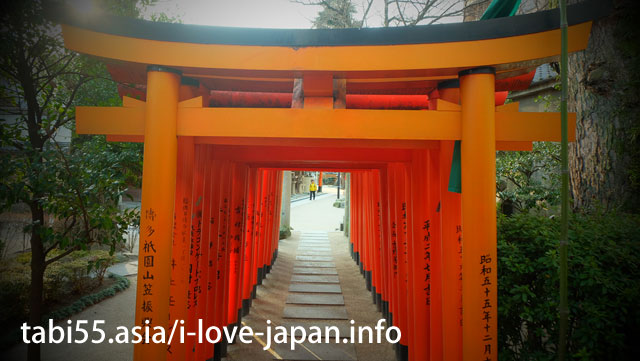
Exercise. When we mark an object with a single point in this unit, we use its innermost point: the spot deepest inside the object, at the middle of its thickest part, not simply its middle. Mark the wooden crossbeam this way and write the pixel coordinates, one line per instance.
(336, 123)
(302, 154)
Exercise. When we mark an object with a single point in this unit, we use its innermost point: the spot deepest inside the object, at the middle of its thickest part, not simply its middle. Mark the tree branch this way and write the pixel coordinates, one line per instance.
(61, 255)
(53, 246)
(85, 214)
(62, 117)
(400, 13)
(366, 12)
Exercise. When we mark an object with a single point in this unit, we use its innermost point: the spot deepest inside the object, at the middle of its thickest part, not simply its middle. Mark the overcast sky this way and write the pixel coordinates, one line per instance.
(253, 13)
(242, 13)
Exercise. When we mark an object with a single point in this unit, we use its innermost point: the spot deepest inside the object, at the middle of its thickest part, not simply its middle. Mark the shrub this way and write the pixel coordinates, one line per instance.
(13, 335)
(528, 180)
(285, 232)
(14, 292)
(78, 273)
(604, 291)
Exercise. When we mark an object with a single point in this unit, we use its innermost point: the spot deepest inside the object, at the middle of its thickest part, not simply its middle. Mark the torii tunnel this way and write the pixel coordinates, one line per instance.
(222, 111)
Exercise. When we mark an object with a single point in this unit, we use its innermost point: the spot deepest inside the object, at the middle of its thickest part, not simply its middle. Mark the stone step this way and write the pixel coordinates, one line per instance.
(315, 288)
(315, 299)
(315, 264)
(314, 279)
(314, 271)
(316, 312)
(315, 258)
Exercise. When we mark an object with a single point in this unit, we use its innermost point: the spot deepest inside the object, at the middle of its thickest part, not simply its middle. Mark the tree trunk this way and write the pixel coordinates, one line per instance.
(603, 93)
(37, 279)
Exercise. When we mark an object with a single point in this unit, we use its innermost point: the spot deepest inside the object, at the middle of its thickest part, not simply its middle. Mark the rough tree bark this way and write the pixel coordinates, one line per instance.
(38, 267)
(603, 91)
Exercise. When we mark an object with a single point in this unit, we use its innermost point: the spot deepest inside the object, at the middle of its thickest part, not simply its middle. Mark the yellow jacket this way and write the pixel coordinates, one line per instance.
(313, 187)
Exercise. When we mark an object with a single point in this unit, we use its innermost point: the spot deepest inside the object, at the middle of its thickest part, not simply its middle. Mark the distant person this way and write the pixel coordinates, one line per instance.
(312, 190)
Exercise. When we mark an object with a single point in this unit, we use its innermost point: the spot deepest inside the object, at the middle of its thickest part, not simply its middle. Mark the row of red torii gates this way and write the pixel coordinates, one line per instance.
(223, 111)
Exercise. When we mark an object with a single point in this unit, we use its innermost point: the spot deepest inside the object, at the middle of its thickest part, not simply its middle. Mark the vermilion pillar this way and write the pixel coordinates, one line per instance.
(451, 243)
(248, 278)
(479, 261)
(420, 259)
(194, 299)
(205, 289)
(156, 215)
(181, 242)
(180, 262)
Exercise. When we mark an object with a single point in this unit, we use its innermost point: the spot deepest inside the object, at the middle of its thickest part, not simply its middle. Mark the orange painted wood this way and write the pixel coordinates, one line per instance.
(248, 277)
(179, 288)
(194, 299)
(421, 255)
(451, 55)
(451, 260)
(224, 242)
(237, 238)
(338, 123)
(317, 85)
(126, 138)
(207, 283)
(434, 203)
(403, 235)
(385, 237)
(158, 201)
(479, 260)
(394, 239)
(276, 231)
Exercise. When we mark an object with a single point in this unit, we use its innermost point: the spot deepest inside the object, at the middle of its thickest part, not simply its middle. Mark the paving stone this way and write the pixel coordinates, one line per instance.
(314, 244)
(314, 271)
(124, 269)
(314, 253)
(333, 351)
(315, 264)
(315, 288)
(344, 329)
(315, 279)
(314, 258)
(315, 247)
(315, 299)
(315, 312)
(329, 250)
(307, 351)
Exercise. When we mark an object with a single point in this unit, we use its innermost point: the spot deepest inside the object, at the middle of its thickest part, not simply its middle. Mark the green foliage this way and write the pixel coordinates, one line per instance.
(17, 292)
(551, 102)
(76, 186)
(604, 290)
(336, 14)
(76, 274)
(121, 284)
(285, 232)
(529, 180)
(79, 185)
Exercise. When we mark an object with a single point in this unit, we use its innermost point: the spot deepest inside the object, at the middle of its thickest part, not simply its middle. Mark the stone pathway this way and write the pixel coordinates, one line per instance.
(315, 299)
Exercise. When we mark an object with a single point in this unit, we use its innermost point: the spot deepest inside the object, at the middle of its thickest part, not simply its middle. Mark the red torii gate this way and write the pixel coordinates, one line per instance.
(212, 175)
